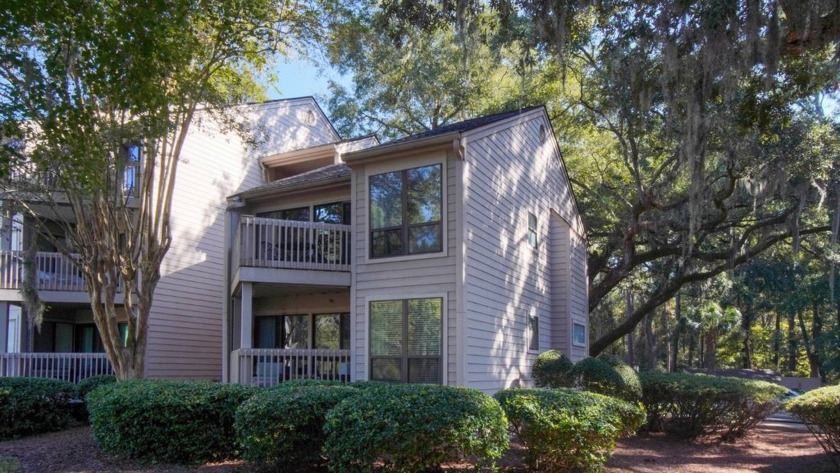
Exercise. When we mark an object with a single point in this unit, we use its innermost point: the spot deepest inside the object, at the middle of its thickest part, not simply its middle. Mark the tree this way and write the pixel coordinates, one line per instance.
(99, 96)
(712, 155)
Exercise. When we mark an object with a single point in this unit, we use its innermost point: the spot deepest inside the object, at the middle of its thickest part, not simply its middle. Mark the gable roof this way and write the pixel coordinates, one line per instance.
(326, 174)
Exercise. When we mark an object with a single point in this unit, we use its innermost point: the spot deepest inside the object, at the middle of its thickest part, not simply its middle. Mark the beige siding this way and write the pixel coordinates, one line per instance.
(510, 172)
(426, 276)
(185, 333)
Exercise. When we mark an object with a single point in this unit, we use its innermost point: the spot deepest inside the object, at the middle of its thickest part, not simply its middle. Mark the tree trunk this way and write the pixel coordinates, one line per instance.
(675, 344)
(746, 324)
(631, 342)
(650, 344)
(710, 358)
(792, 347)
(702, 357)
(777, 341)
(692, 342)
(810, 348)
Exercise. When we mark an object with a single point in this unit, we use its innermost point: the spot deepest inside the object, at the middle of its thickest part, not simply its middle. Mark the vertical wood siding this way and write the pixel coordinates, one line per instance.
(185, 330)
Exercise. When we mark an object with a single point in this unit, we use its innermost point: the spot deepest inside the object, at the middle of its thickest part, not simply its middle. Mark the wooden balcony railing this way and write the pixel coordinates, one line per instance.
(72, 367)
(55, 272)
(268, 367)
(271, 243)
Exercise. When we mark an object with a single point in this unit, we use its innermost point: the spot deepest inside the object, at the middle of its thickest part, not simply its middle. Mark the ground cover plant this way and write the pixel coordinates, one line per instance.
(34, 405)
(820, 410)
(167, 421)
(413, 427)
(690, 406)
(566, 429)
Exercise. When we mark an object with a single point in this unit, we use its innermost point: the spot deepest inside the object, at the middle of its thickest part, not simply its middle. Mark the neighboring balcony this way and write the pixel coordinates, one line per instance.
(55, 272)
(285, 251)
(72, 367)
(268, 367)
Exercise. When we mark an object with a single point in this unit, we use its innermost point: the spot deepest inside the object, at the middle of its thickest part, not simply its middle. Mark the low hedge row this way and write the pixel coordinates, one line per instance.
(820, 408)
(566, 429)
(167, 421)
(34, 405)
(604, 374)
(693, 405)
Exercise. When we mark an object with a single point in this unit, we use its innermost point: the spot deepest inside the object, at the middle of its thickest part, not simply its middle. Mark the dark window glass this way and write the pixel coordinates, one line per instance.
(532, 230)
(337, 212)
(283, 331)
(406, 212)
(332, 331)
(534, 329)
(406, 340)
(131, 173)
(579, 334)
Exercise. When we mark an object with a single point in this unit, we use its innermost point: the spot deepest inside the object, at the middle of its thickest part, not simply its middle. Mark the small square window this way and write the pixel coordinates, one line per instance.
(534, 333)
(579, 334)
(532, 230)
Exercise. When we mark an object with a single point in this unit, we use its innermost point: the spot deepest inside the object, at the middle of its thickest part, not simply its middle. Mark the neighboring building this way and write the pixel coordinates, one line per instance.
(453, 256)
(185, 332)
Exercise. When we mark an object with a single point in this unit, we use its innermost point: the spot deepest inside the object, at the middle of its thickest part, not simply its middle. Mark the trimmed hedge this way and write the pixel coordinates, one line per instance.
(552, 369)
(284, 425)
(693, 405)
(167, 421)
(609, 376)
(820, 408)
(89, 384)
(34, 405)
(413, 427)
(565, 429)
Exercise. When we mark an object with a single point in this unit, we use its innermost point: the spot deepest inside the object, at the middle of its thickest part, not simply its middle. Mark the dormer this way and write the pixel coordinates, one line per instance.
(291, 163)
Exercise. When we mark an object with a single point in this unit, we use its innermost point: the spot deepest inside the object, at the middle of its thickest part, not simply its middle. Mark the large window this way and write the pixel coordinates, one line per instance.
(322, 331)
(405, 340)
(406, 210)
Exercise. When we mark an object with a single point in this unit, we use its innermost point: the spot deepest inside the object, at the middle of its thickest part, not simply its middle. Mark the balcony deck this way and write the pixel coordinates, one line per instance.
(269, 367)
(72, 367)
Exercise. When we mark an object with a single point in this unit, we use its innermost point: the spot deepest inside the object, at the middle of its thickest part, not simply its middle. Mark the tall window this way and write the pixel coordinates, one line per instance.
(532, 230)
(533, 333)
(131, 174)
(405, 340)
(406, 210)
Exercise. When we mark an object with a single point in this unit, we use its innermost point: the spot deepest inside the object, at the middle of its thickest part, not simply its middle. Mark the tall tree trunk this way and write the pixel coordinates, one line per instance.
(792, 347)
(810, 348)
(650, 343)
(816, 334)
(777, 341)
(746, 325)
(702, 357)
(675, 344)
(710, 355)
(692, 344)
(631, 342)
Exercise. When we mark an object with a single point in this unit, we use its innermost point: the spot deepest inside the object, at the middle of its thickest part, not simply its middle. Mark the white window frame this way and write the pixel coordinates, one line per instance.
(575, 341)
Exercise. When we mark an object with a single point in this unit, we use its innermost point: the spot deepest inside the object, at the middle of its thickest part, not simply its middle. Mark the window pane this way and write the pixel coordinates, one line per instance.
(64, 338)
(386, 331)
(328, 331)
(266, 328)
(424, 326)
(300, 214)
(386, 200)
(385, 369)
(579, 335)
(296, 331)
(330, 213)
(386, 243)
(534, 326)
(425, 239)
(532, 221)
(424, 370)
(424, 194)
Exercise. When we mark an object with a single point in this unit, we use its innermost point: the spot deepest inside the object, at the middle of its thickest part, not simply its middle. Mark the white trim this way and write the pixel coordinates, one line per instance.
(460, 272)
(410, 163)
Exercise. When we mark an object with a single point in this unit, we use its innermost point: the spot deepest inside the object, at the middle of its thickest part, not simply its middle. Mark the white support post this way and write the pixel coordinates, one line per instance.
(247, 314)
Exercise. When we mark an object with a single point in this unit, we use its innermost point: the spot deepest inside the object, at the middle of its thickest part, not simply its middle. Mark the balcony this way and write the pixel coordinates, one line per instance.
(55, 272)
(268, 367)
(286, 244)
(72, 367)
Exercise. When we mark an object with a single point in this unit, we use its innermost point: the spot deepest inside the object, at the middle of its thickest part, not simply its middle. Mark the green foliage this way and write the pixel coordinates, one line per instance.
(565, 429)
(413, 427)
(285, 425)
(167, 421)
(89, 384)
(552, 369)
(690, 406)
(34, 405)
(820, 409)
(609, 376)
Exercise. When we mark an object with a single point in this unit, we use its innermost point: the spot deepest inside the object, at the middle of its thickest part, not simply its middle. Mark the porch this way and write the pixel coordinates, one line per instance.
(72, 367)
(269, 367)
(54, 271)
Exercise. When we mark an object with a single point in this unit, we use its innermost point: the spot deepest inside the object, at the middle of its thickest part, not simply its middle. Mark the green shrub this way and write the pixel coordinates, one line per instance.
(297, 383)
(565, 429)
(413, 427)
(34, 405)
(167, 421)
(689, 406)
(285, 426)
(89, 384)
(820, 409)
(552, 369)
(609, 376)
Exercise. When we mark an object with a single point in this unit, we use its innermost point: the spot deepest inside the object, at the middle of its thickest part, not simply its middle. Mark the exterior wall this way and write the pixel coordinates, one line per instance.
(511, 171)
(408, 276)
(185, 327)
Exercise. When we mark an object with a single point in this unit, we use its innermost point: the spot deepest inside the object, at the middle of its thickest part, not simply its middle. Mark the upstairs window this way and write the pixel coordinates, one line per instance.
(406, 210)
(532, 230)
(131, 174)
(533, 333)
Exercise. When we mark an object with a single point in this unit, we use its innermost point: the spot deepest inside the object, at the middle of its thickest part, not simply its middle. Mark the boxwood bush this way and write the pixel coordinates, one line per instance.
(413, 427)
(609, 376)
(167, 421)
(284, 425)
(34, 405)
(566, 429)
(820, 410)
(552, 369)
(89, 384)
(691, 405)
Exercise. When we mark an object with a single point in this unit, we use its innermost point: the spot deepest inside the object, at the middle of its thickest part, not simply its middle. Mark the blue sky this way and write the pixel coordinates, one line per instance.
(299, 78)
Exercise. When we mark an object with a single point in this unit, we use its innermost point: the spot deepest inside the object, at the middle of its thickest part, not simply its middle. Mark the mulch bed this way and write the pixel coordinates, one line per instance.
(776, 448)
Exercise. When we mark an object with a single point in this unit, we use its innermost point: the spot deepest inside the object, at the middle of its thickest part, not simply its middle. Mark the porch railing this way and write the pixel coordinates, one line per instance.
(72, 367)
(54, 271)
(271, 243)
(268, 367)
